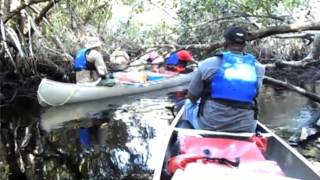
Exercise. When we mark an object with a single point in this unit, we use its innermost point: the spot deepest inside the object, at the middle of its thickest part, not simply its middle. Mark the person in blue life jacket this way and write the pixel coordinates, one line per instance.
(89, 64)
(221, 95)
(178, 61)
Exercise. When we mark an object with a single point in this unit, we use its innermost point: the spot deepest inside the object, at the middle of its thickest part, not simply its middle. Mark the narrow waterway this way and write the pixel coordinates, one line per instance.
(115, 138)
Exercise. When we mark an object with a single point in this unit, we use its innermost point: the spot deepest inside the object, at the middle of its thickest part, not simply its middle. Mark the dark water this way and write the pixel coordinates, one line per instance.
(113, 139)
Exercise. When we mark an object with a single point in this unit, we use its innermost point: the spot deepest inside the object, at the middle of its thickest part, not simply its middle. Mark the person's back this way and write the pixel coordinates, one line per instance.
(88, 62)
(119, 60)
(227, 85)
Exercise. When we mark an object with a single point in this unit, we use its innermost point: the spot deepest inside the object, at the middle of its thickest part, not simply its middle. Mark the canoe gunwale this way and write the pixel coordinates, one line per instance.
(175, 131)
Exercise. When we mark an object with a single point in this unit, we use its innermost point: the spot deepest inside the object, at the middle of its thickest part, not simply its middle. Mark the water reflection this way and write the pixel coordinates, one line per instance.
(117, 141)
(113, 139)
(286, 109)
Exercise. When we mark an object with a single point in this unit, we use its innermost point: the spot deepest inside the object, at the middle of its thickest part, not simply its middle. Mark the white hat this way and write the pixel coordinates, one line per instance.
(93, 42)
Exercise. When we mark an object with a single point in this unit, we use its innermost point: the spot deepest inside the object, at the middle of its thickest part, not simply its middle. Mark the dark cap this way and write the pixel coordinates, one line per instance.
(236, 34)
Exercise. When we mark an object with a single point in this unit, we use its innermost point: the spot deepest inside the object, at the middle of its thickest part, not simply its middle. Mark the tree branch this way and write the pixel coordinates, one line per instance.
(21, 7)
(287, 28)
(163, 9)
(304, 36)
(262, 33)
(44, 11)
(239, 16)
(89, 15)
(301, 63)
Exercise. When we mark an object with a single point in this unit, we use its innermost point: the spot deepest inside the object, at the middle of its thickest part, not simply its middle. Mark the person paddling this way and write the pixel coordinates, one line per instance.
(226, 85)
(178, 61)
(89, 64)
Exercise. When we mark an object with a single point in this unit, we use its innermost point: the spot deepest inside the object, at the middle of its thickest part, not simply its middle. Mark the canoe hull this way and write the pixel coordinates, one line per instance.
(53, 93)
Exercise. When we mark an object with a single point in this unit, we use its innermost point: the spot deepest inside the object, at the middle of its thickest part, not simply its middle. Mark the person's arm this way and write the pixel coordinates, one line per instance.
(95, 57)
(192, 98)
(195, 87)
(193, 61)
(206, 70)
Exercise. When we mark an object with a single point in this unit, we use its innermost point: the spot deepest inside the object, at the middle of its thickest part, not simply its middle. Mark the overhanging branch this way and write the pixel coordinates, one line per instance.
(44, 11)
(262, 33)
(239, 16)
(287, 28)
(21, 7)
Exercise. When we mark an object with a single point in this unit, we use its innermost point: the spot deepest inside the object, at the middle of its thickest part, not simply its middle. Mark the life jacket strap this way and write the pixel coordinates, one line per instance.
(224, 161)
(256, 108)
(234, 104)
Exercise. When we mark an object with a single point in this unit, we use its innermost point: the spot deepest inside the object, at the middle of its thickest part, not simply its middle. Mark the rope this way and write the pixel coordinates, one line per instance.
(51, 104)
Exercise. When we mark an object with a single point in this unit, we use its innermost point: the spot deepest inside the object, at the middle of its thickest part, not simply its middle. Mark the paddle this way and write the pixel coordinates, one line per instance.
(132, 65)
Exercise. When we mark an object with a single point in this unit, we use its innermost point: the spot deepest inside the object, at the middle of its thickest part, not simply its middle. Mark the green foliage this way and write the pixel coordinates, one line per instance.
(199, 21)
(91, 12)
(291, 4)
(203, 18)
(128, 2)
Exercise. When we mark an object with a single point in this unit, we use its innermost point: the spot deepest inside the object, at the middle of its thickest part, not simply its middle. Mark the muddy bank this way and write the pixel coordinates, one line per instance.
(24, 83)
(14, 86)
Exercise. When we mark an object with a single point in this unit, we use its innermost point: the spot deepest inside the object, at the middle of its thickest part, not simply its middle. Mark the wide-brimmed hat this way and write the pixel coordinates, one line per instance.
(236, 34)
(93, 42)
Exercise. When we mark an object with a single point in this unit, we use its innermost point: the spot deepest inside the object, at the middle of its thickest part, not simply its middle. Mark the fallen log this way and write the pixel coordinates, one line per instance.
(300, 63)
(292, 87)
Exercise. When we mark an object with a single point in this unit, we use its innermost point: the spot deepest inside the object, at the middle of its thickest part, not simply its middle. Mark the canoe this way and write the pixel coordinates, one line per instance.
(53, 93)
(202, 154)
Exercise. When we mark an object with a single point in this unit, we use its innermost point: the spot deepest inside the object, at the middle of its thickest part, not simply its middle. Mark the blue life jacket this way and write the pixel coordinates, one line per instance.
(236, 78)
(173, 59)
(80, 60)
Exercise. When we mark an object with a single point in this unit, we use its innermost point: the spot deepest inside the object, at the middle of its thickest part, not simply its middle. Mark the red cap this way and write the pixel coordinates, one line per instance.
(184, 55)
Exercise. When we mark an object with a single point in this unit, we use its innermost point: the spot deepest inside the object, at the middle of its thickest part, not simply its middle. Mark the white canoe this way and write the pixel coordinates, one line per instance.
(53, 93)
